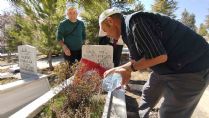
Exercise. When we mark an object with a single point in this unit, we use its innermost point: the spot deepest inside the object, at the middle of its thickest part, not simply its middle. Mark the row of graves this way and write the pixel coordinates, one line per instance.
(29, 84)
(27, 96)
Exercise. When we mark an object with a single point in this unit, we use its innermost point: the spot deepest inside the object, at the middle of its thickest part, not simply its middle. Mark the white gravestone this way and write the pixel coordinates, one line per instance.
(27, 59)
(102, 54)
(30, 86)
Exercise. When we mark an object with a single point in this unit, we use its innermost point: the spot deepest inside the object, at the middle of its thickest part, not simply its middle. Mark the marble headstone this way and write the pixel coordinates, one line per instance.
(102, 54)
(27, 59)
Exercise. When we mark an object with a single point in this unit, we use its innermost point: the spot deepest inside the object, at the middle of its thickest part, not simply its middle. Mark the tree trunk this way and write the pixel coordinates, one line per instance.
(50, 60)
(8, 56)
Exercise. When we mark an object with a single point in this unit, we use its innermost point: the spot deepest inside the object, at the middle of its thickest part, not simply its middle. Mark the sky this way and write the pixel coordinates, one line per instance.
(198, 7)
(4, 5)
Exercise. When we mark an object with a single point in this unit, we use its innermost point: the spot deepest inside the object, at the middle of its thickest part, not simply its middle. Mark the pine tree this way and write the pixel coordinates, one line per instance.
(5, 21)
(207, 24)
(128, 8)
(207, 20)
(167, 7)
(38, 24)
(188, 19)
(202, 30)
(93, 8)
(139, 6)
(90, 15)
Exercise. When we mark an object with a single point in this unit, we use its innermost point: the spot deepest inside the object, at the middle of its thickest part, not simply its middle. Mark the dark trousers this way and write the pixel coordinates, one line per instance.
(117, 51)
(181, 92)
(75, 55)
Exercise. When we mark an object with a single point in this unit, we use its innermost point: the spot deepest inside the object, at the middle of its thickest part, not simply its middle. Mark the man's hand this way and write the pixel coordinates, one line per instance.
(110, 71)
(66, 50)
(125, 73)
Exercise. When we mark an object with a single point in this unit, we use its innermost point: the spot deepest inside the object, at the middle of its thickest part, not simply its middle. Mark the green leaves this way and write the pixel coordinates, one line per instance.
(39, 22)
(166, 7)
(188, 19)
(202, 30)
(207, 20)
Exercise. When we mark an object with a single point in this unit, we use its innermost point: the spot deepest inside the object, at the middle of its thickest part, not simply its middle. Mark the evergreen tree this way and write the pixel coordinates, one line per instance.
(207, 24)
(202, 30)
(5, 21)
(167, 7)
(90, 15)
(188, 19)
(93, 8)
(38, 24)
(114, 3)
(139, 6)
(207, 20)
(131, 7)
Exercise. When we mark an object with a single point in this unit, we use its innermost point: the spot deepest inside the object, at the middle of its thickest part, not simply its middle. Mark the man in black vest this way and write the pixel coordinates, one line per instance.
(177, 55)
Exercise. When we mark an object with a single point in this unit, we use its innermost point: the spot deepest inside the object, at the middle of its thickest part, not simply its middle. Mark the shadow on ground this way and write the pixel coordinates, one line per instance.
(133, 97)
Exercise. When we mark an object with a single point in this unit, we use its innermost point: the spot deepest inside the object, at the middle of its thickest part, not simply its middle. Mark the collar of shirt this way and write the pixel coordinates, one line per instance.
(123, 30)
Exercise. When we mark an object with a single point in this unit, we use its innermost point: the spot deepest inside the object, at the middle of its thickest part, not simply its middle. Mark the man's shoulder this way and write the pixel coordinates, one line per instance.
(134, 15)
(80, 21)
(141, 14)
(64, 21)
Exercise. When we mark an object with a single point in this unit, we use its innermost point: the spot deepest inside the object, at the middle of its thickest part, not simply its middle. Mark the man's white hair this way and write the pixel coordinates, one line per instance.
(70, 5)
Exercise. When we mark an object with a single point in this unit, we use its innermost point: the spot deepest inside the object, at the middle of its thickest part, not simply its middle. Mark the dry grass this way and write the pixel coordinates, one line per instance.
(140, 75)
(7, 80)
(81, 99)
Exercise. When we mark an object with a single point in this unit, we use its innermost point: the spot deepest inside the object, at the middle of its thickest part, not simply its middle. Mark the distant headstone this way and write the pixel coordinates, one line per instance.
(102, 54)
(27, 59)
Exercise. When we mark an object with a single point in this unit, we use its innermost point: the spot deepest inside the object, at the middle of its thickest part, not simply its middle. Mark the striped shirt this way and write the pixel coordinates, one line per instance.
(149, 35)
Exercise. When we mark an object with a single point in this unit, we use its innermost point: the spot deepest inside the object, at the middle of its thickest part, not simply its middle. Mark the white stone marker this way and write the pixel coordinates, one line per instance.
(31, 85)
(27, 60)
(102, 54)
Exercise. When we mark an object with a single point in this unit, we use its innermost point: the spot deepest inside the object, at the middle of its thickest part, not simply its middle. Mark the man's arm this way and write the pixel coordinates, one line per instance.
(145, 63)
(126, 69)
(147, 44)
(60, 38)
(65, 48)
(61, 42)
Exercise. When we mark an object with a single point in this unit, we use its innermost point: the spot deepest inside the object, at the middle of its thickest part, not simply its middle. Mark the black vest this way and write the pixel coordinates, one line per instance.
(187, 51)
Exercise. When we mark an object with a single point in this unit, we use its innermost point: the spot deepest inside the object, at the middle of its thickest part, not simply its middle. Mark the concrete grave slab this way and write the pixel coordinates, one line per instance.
(17, 94)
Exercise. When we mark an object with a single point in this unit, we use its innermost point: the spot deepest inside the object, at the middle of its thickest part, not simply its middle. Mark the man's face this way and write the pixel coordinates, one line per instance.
(72, 14)
(110, 27)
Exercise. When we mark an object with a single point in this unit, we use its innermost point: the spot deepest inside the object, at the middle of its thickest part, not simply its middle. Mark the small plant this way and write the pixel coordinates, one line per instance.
(61, 72)
(64, 71)
(79, 94)
(81, 99)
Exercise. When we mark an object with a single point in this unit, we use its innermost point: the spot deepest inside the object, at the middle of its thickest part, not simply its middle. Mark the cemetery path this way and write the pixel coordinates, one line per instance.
(41, 63)
(8, 70)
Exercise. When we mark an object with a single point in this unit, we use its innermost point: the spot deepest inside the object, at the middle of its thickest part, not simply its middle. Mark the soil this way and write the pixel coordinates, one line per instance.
(133, 96)
(132, 102)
